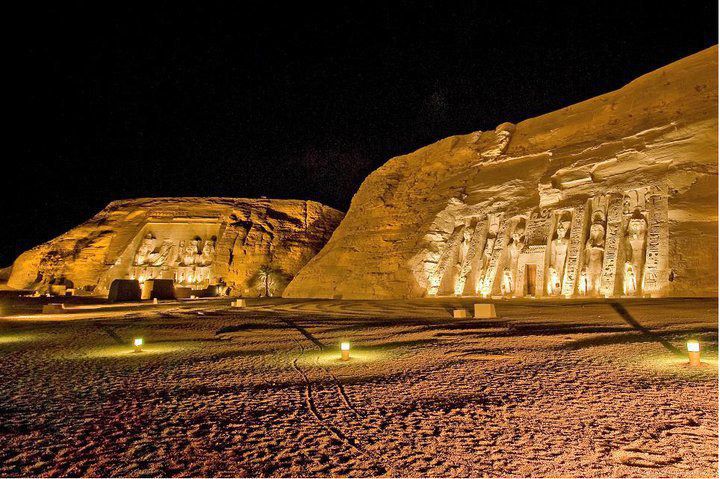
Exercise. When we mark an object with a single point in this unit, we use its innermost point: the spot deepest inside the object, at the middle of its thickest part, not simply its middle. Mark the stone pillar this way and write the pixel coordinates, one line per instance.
(446, 259)
(655, 277)
(495, 259)
(477, 244)
(575, 249)
(613, 239)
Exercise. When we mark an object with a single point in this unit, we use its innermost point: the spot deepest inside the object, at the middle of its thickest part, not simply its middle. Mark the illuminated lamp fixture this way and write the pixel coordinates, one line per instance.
(345, 351)
(138, 343)
(693, 348)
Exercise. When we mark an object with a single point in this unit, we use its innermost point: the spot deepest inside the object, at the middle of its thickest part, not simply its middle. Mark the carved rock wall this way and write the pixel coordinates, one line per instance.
(635, 168)
(195, 241)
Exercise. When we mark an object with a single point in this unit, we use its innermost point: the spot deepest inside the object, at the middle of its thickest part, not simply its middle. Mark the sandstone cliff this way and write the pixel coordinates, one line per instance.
(614, 196)
(247, 244)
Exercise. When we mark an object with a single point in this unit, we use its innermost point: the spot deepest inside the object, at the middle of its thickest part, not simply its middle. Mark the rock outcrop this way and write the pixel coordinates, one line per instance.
(250, 245)
(614, 196)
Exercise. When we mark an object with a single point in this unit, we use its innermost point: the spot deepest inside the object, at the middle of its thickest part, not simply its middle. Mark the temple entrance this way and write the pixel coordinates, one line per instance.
(530, 279)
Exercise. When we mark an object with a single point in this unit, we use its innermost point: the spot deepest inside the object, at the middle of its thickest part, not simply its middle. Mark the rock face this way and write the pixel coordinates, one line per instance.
(249, 245)
(614, 196)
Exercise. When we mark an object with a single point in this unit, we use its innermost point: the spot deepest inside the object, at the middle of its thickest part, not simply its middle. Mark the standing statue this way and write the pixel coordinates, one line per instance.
(517, 244)
(484, 263)
(629, 280)
(506, 285)
(594, 254)
(458, 283)
(558, 253)
(635, 242)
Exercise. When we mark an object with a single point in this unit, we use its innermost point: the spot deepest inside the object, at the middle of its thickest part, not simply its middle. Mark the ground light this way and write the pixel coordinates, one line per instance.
(138, 342)
(345, 351)
(693, 348)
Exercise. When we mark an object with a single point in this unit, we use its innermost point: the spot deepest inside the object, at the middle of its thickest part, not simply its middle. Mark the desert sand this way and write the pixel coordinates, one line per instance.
(581, 388)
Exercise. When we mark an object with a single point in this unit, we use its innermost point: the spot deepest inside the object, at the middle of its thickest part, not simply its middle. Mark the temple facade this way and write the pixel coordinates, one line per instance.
(253, 247)
(610, 245)
(615, 196)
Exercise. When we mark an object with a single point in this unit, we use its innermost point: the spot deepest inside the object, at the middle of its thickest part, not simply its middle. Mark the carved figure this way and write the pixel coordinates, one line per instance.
(506, 285)
(190, 253)
(161, 257)
(517, 244)
(147, 246)
(208, 252)
(629, 280)
(594, 254)
(558, 254)
(484, 262)
(635, 243)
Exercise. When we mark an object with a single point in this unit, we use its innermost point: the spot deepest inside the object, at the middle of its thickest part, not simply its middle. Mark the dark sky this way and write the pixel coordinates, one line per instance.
(262, 99)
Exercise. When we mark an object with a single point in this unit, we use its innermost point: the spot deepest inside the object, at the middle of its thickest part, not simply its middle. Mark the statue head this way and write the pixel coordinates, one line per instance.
(519, 231)
(597, 234)
(562, 228)
(636, 225)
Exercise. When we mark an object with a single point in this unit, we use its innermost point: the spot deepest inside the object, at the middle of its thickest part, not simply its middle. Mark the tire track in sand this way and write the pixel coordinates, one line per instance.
(327, 422)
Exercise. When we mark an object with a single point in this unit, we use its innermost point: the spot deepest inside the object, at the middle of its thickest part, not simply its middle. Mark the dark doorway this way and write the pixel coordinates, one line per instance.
(530, 279)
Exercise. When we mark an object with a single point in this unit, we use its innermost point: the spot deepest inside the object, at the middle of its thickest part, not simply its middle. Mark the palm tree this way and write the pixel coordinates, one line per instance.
(265, 274)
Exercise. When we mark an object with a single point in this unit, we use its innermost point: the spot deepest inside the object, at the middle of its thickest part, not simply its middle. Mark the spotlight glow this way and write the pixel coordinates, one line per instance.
(345, 351)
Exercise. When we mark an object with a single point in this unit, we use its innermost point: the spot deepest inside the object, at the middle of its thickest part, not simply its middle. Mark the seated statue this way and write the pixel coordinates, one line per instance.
(147, 246)
(208, 253)
(161, 257)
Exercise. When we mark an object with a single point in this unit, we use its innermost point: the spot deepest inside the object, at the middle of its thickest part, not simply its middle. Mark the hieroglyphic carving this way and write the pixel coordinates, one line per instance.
(577, 240)
(538, 227)
(655, 277)
(477, 243)
(446, 259)
(495, 259)
(612, 245)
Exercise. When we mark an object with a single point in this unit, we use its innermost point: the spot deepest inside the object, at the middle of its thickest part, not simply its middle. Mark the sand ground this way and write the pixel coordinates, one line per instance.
(589, 388)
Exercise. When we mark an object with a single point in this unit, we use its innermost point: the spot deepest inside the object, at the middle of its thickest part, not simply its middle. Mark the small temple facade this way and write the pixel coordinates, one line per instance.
(612, 197)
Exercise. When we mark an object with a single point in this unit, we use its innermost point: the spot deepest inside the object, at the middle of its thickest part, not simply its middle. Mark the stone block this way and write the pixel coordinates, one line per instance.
(53, 308)
(158, 288)
(460, 313)
(485, 311)
(124, 290)
(183, 292)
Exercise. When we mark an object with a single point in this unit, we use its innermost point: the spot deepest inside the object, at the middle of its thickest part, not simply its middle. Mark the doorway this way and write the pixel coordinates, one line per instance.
(530, 279)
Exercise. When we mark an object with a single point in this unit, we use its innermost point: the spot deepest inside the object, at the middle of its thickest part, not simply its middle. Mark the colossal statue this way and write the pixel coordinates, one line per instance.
(594, 255)
(147, 246)
(558, 253)
(516, 245)
(635, 242)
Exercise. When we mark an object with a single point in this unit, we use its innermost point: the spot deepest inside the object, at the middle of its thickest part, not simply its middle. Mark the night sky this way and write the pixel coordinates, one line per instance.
(119, 101)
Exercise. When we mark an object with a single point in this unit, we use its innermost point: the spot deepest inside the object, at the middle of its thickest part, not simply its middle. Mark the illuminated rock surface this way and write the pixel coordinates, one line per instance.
(197, 242)
(614, 196)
